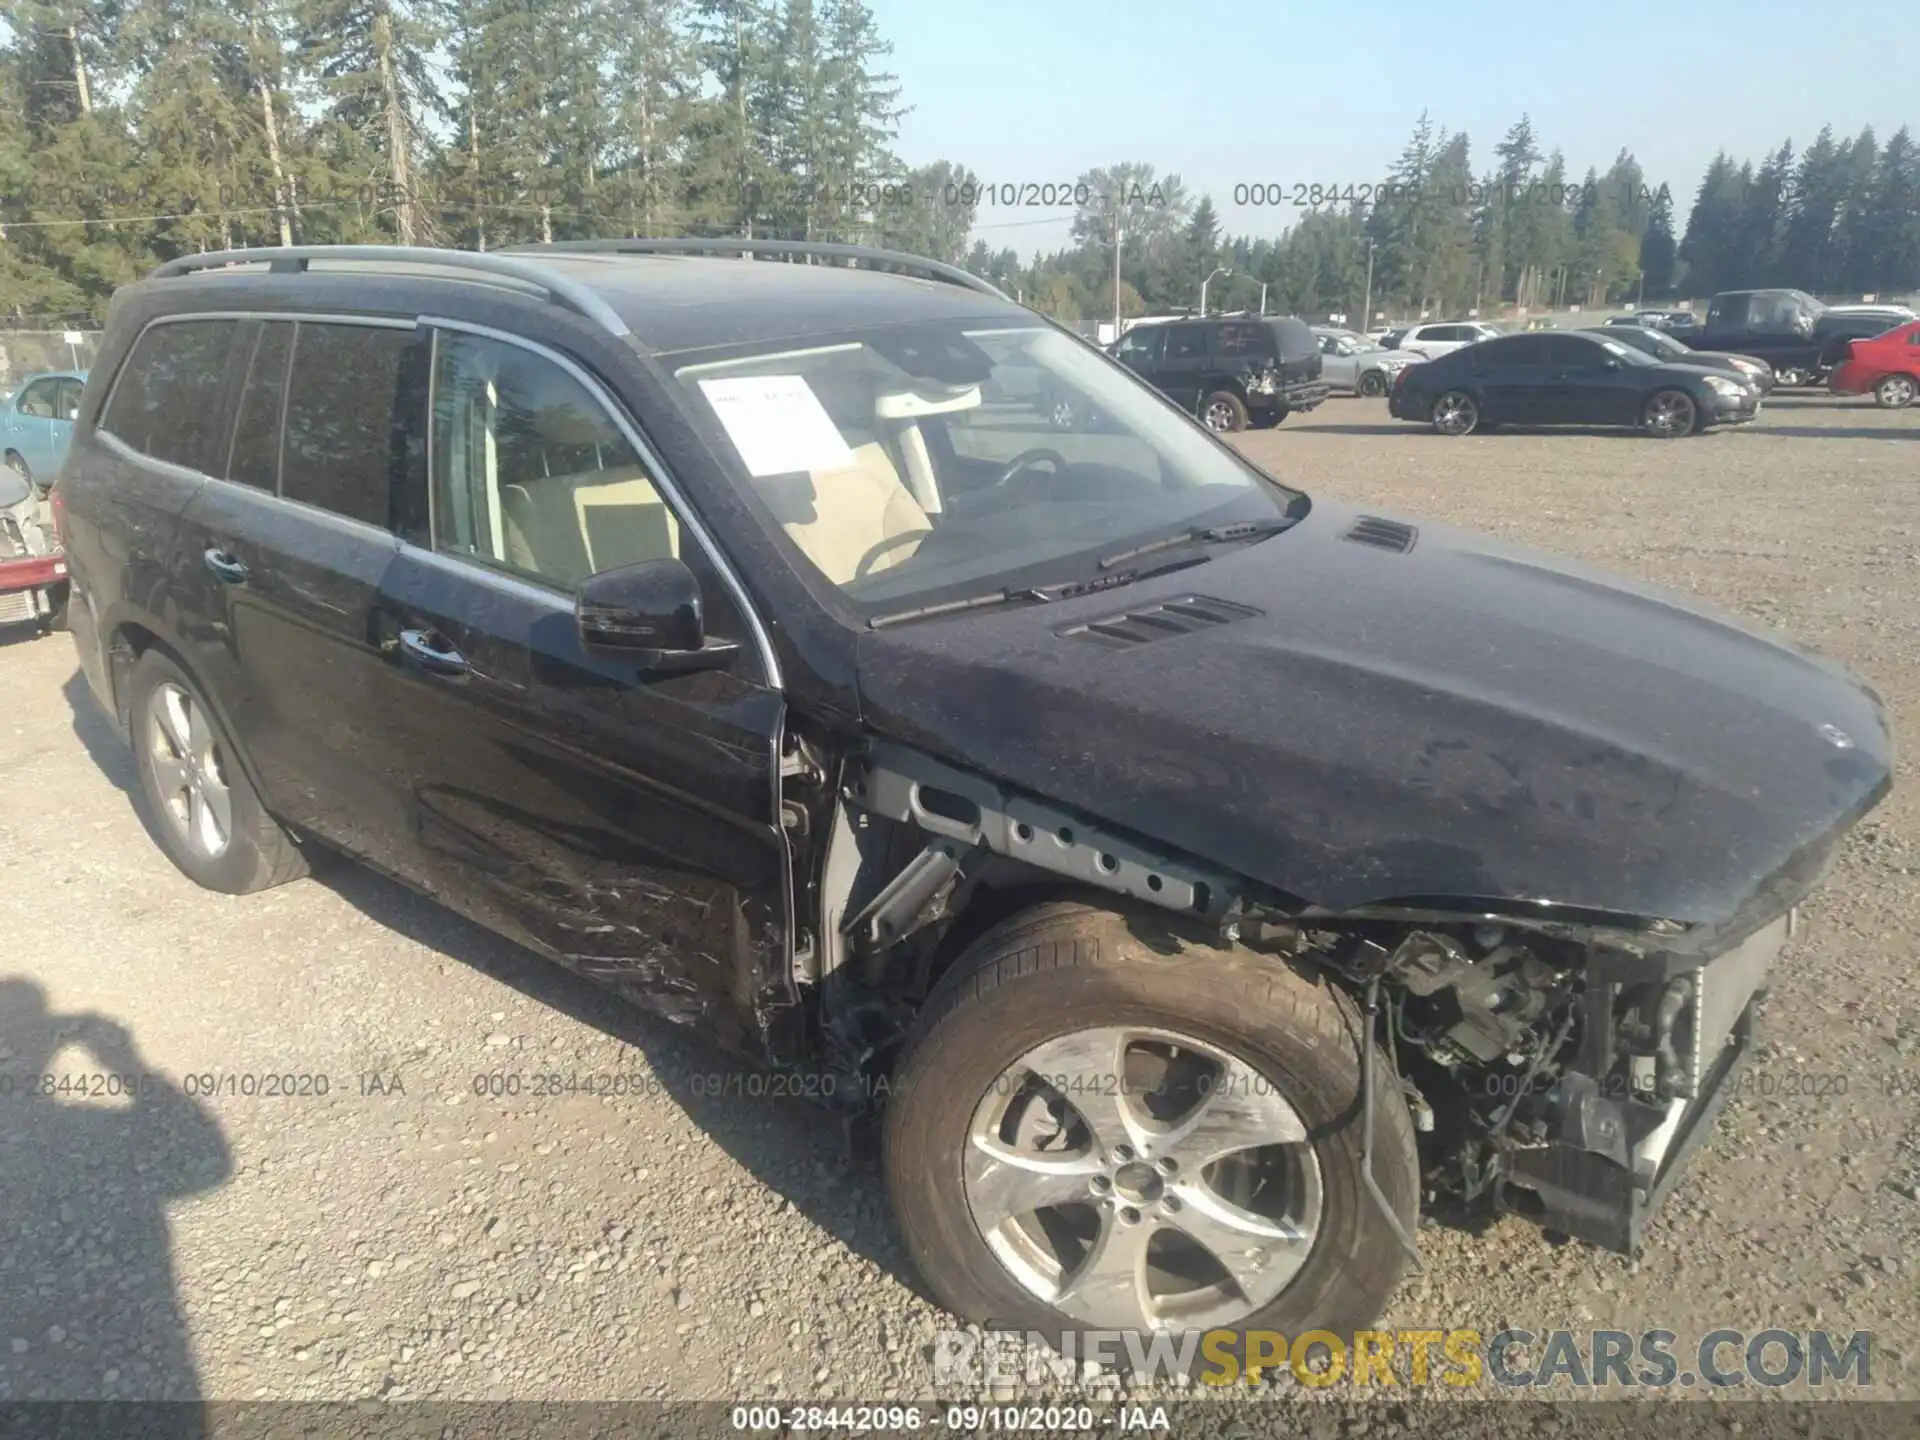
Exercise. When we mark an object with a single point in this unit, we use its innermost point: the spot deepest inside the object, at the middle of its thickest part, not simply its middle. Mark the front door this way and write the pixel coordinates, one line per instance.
(624, 823)
(1182, 372)
(1583, 389)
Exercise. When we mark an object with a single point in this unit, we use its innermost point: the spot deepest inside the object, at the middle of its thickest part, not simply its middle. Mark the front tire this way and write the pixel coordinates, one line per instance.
(1455, 413)
(1670, 415)
(1895, 392)
(205, 813)
(1034, 1190)
(1373, 384)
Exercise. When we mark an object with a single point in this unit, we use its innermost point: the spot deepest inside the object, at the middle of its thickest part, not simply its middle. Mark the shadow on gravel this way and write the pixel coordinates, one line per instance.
(1843, 432)
(794, 1147)
(107, 748)
(87, 1168)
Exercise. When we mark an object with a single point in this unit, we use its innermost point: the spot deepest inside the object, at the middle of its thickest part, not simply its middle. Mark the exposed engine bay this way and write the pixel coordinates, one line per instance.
(1556, 1070)
(32, 572)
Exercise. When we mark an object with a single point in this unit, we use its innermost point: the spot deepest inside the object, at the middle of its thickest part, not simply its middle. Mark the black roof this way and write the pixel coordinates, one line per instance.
(665, 303)
(686, 302)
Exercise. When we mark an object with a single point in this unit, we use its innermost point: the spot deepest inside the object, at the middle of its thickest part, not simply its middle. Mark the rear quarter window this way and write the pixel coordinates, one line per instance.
(166, 400)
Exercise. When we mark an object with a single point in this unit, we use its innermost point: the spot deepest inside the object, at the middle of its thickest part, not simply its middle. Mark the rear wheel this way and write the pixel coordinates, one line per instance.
(1455, 413)
(1096, 1127)
(1791, 376)
(207, 817)
(1895, 392)
(1669, 414)
(1223, 411)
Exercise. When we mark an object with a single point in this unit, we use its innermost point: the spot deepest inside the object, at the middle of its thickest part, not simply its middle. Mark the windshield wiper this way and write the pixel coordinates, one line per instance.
(1039, 594)
(951, 607)
(1199, 535)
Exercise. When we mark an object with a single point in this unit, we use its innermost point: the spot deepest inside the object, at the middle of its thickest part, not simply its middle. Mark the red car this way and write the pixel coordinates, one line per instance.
(1888, 365)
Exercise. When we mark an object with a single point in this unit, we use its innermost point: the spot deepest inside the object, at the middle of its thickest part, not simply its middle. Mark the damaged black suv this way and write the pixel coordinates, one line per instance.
(1199, 879)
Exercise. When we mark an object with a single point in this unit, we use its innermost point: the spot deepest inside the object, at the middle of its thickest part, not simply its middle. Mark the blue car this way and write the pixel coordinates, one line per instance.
(36, 424)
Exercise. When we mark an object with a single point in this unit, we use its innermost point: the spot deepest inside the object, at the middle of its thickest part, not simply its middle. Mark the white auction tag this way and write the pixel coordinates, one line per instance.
(777, 424)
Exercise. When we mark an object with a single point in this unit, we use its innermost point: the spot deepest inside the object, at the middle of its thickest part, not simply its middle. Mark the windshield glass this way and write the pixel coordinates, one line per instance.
(922, 463)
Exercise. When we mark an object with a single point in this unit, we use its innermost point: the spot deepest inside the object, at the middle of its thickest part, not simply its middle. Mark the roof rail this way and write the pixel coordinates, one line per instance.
(294, 259)
(790, 249)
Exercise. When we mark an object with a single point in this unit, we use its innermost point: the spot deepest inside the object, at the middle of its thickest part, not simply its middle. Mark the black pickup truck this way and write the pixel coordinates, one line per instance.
(1799, 336)
(1229, 372)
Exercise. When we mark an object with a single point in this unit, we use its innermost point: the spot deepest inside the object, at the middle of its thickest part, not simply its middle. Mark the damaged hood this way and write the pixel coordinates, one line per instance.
(1354, 723)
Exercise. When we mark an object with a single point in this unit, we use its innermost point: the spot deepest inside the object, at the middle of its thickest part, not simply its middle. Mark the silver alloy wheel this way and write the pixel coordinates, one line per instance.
(1790, 376)
(189, 771)
(1896, 392)
(1455, 414)
(1138, 1179)
(1219, 416)
(1670, 413)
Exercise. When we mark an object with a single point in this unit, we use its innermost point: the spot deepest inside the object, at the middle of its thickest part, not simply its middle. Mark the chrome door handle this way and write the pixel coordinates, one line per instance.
(225, 568)
(427, 650)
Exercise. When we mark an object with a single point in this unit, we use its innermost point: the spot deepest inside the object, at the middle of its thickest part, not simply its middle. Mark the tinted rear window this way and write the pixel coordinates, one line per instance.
(166, 402)
(339, 442)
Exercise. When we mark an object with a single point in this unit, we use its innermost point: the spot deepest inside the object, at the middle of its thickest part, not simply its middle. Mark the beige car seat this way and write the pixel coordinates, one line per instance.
(566, 527)
(860, 512)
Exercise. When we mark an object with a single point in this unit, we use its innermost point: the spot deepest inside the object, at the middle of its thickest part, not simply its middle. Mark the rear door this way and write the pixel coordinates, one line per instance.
(1509, 376)
(626, 823)
(288, 550)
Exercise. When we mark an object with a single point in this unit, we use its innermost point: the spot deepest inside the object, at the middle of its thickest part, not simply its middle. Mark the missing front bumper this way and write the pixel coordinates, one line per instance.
(1594, 1198)
(1604, 1176)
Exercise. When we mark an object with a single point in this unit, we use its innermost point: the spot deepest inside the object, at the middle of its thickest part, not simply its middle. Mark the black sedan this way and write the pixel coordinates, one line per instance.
(1663, 347)
(1567, 378)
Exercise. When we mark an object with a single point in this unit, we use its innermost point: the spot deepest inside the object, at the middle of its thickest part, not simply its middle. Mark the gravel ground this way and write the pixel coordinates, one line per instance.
(400, 1236)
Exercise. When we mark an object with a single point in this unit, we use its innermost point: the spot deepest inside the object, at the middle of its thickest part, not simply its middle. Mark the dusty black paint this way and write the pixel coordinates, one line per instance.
(1468, 719)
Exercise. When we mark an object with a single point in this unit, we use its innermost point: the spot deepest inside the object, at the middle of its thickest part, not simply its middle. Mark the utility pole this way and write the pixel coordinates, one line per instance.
(1263, 297)
(1117, 242)
(1366, 308)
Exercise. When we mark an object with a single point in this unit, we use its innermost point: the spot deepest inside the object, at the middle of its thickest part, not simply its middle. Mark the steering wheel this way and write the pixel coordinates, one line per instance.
(875, 551)
(1027, 459)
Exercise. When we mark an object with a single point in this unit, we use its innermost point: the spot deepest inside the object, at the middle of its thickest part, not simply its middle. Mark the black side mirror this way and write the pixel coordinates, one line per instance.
(650, 613)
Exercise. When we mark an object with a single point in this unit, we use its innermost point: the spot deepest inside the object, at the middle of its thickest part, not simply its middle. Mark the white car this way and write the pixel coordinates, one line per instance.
(1430, 342)
(1354, 364)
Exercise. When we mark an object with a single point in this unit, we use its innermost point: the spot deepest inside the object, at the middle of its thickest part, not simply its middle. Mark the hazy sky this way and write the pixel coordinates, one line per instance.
(1303, 91)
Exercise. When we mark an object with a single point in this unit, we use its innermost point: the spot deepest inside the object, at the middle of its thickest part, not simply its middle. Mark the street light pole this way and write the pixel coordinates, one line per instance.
(1117, 241)
(1263, 297)
(1217, 270)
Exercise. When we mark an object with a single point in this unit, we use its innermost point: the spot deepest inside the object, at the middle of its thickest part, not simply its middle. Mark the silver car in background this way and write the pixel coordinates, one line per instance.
(1354, 364)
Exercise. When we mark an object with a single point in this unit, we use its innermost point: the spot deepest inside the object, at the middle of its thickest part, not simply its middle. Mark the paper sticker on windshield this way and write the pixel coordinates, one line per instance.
(777, 424)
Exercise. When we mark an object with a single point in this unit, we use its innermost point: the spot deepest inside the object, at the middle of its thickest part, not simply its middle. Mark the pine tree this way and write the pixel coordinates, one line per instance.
(1711, 246)
(1892, 228)
(371, 61)
(1658, 257)
(1853, 231)
(1807, 256)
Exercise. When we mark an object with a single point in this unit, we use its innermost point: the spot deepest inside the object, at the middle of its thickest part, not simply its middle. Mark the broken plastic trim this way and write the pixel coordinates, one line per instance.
(909, 787)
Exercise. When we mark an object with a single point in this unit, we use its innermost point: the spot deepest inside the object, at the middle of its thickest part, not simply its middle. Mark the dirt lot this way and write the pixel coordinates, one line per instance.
(402, 1236)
